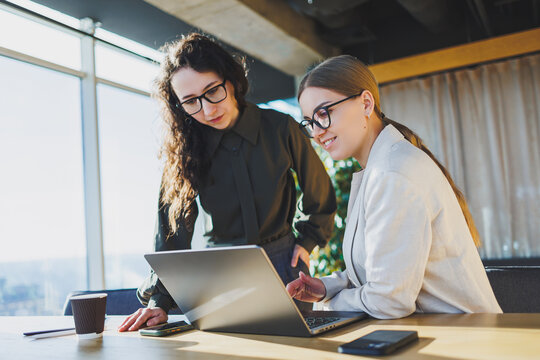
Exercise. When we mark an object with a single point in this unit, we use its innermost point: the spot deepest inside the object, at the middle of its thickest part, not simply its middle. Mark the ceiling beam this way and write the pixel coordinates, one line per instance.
(459, 56)
(268, 30)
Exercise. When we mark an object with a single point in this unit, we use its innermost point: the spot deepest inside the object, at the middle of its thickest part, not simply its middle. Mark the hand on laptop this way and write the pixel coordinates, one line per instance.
(299, 252)
(143, 317)
(307, 288)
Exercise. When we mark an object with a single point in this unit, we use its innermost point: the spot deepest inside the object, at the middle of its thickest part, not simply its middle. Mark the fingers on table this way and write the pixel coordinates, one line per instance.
(159, 316)
(141, 319)
(130, 320)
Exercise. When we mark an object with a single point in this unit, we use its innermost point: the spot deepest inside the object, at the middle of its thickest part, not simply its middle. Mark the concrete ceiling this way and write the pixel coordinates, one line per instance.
(268, 30)
(291, 35)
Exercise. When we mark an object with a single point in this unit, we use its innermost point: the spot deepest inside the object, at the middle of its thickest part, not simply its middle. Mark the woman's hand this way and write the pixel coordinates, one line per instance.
(307, 288)
(142, 317)
(299, 252)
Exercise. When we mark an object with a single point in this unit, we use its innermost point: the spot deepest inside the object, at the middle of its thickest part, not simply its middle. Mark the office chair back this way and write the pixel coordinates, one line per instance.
(517, 288)
(119, 301)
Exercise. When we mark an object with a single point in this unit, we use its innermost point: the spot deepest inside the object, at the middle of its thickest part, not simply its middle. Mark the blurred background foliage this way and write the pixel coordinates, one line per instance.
(330, 258)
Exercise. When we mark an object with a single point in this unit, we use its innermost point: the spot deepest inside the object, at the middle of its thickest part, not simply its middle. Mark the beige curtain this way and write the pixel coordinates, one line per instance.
(483, 124)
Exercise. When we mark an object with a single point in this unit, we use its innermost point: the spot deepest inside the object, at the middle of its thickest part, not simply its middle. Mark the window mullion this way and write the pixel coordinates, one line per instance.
(92, 184)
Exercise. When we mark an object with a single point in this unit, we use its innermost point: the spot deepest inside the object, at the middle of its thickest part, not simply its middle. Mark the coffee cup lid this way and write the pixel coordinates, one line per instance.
(88, 296)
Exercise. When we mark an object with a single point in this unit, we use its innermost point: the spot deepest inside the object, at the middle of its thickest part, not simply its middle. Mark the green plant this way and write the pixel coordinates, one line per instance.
(330, 258)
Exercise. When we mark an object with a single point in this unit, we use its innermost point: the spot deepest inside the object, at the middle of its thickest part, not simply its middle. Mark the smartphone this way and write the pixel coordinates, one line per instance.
(166, 329)
(379, 342)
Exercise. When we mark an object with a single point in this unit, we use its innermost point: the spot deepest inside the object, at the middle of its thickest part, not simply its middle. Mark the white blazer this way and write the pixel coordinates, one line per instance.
(407, 247)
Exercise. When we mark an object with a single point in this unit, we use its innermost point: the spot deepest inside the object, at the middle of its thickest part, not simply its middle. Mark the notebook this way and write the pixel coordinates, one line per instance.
(236, 289)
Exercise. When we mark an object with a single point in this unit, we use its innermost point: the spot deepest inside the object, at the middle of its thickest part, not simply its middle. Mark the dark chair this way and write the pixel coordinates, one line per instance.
(530, 261)
(119, 301)
(517, 288)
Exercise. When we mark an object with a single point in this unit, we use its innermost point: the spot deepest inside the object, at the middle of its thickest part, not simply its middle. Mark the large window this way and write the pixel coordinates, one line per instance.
(124, 68)
(45, 149)
(39, 40)
(130, 178)
(41, 187)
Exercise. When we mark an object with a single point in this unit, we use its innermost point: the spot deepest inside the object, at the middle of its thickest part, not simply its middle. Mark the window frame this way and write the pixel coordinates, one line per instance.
(95, 262)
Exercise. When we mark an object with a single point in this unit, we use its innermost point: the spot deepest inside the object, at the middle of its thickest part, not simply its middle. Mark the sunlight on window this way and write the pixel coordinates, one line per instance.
(38, 40)
(41, 157)
(129, 44)
(42, 222)
(129, 131)
(287, 106)
(41, 187)
(47, 12)
(124, 68)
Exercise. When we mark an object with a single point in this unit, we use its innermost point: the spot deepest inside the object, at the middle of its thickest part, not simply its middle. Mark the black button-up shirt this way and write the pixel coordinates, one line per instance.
(271, 145)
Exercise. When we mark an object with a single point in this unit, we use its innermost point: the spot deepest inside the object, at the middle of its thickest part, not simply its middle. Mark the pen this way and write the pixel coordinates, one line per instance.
(50, 333)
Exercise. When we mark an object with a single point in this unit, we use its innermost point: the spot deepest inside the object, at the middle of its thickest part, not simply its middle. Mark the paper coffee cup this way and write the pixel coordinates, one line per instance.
(89, 314)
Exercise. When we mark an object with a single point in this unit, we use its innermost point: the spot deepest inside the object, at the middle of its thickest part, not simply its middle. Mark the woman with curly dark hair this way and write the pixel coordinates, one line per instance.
(229, 163)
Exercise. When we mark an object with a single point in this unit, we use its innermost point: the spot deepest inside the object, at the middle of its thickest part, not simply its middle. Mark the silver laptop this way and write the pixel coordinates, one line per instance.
(236, 289)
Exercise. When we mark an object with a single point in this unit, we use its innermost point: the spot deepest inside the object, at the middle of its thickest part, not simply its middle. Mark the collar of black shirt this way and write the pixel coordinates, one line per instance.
(247, 126)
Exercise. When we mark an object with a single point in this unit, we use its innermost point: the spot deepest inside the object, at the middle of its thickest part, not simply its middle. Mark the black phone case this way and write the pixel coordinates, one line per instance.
(166, 329)
(379, 342)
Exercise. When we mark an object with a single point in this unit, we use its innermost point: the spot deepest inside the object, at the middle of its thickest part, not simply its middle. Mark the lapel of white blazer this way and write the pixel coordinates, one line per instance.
(353, 253)
(353, 213)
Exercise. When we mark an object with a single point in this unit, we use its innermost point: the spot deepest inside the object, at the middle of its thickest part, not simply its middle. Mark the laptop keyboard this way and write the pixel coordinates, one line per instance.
(314, 322)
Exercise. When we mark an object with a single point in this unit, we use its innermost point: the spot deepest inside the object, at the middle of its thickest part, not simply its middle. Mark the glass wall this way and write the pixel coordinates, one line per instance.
(130, 178)
(44, 252)
(124, 68)
(35, 38)
(41, 187)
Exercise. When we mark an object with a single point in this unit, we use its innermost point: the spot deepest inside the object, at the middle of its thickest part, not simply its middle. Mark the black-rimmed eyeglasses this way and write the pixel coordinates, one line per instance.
(213, 95)
(321, 117)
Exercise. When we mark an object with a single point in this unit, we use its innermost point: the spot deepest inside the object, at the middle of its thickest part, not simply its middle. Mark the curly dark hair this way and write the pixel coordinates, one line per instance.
(184, 144)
